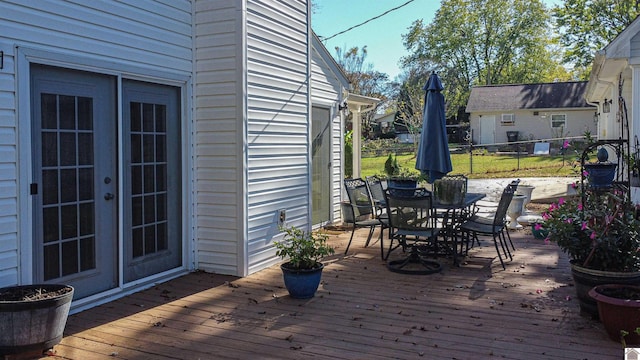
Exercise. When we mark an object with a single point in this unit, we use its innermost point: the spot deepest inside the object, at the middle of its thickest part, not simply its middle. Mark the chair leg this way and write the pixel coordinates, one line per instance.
(351, 238)
(496, 237)
(371, 230)
(381, 243)
(505, 246)
(504, 229)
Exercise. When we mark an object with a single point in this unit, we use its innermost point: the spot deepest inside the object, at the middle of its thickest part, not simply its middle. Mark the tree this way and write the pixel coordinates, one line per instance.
(364, 80)
(410, 102)
(484, 42)
(589, 25)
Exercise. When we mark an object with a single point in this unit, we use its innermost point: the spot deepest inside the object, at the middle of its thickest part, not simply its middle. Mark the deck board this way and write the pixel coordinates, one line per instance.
(361, 311)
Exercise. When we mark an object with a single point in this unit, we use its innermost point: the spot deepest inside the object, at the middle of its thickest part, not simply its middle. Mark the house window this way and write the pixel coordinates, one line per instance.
(507, 119)
(558, 121)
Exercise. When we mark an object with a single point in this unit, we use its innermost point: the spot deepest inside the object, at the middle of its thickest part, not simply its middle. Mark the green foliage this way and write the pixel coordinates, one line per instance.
(484, 166)
(348, 154)
(589, 25)
(600, 232)
(303, 249)
(483, 42)
(391, 167)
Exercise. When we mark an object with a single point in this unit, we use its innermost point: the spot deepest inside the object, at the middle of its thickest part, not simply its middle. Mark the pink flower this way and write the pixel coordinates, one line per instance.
(546, 216)
(574, 185)
(566, 144)
(592, 236)
(585, 173)
(560, 201)
(538, 226)
(584, 225)
(547, 241)
(580, 206)
(569, 221)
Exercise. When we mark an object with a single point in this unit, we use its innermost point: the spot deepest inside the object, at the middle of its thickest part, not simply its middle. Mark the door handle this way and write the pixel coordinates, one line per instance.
(109, 196)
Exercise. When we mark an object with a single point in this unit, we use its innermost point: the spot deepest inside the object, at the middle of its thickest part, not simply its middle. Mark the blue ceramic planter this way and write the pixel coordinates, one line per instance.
(600, 175)
(301, 284)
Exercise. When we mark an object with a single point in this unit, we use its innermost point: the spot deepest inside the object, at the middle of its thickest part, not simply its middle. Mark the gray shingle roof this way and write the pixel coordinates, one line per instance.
(559, 95)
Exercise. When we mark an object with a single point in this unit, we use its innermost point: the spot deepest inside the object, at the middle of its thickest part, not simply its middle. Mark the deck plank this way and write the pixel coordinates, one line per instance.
(361, 311)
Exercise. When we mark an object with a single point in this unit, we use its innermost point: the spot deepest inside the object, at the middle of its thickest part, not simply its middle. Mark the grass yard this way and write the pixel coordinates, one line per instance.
(487, 165)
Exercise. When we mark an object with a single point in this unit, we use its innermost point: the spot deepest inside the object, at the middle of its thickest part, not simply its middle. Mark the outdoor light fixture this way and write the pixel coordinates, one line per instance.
(343, 106)
(606, 106)
(596, 116)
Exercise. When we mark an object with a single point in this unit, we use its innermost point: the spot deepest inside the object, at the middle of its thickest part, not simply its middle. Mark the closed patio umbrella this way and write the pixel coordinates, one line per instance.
(433, 158)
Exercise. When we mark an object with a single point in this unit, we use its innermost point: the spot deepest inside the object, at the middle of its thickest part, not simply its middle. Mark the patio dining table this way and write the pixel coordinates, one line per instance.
(453, 215)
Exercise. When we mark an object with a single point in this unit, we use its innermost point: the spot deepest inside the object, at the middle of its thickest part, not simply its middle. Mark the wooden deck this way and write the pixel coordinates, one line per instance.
(362, 311)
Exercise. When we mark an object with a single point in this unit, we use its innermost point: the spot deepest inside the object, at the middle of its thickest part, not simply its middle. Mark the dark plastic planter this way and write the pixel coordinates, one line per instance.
(33, 325)
(600, 175)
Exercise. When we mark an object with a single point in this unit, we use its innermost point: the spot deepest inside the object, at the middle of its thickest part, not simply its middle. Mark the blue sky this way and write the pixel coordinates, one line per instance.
(382, 36)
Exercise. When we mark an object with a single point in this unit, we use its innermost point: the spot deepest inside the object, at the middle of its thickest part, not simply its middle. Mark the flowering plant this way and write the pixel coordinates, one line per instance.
(598, 229)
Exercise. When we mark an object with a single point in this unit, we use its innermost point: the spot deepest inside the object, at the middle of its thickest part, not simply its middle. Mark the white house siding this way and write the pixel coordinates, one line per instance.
(8, 171)
(143, 38)
(219, 119)
(252, 125)
(535, 127)
(278, 123)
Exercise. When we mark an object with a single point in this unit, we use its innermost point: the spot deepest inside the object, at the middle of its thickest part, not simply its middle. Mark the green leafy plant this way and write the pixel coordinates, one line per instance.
(625, 333)
(598, 230)
(393, 170)
(303, 249)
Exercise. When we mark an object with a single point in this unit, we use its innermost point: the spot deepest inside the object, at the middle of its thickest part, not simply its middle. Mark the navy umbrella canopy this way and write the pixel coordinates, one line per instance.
(433, 158)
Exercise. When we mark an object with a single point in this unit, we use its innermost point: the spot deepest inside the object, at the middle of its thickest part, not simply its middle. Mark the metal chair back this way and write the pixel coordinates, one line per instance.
(411, 213)
(359, 197)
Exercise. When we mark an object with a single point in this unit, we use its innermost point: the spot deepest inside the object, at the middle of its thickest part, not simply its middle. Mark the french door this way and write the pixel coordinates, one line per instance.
(74, 179)
(321, 165)
(76, 172)
(152, 181)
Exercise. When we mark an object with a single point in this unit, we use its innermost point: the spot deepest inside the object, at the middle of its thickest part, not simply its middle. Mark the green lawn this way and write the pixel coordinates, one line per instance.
(486, 166)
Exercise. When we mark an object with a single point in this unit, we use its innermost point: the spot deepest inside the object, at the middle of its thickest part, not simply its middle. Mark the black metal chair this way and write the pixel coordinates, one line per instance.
(360, 213)
(495, 227)
(377, 194)
(514, 185)
(413, 225)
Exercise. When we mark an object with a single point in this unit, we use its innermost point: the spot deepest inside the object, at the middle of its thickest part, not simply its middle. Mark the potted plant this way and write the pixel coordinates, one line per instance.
(399, 177)
(600, 232)
(619, 311)
(33, 317)
(303, 270)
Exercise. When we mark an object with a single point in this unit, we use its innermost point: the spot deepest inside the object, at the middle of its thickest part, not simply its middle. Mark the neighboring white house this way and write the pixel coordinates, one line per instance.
(143, 139)
(534, 111)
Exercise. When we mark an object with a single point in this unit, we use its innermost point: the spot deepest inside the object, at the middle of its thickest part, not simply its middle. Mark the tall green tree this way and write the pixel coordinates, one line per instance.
(589, 25)
(484, 42)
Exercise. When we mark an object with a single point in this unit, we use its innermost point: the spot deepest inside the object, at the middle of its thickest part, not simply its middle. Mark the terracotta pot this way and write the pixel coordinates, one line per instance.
(618, 314)
(585, 279)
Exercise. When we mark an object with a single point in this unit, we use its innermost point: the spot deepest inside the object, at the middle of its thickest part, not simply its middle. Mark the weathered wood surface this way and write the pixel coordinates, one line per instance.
(362, 311)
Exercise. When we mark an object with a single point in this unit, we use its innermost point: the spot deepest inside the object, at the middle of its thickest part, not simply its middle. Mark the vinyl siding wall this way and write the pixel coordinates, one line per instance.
(219, 134)
(8, 170)
(252, 129)
(278, 123)
(143, 38)
(534, 127)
